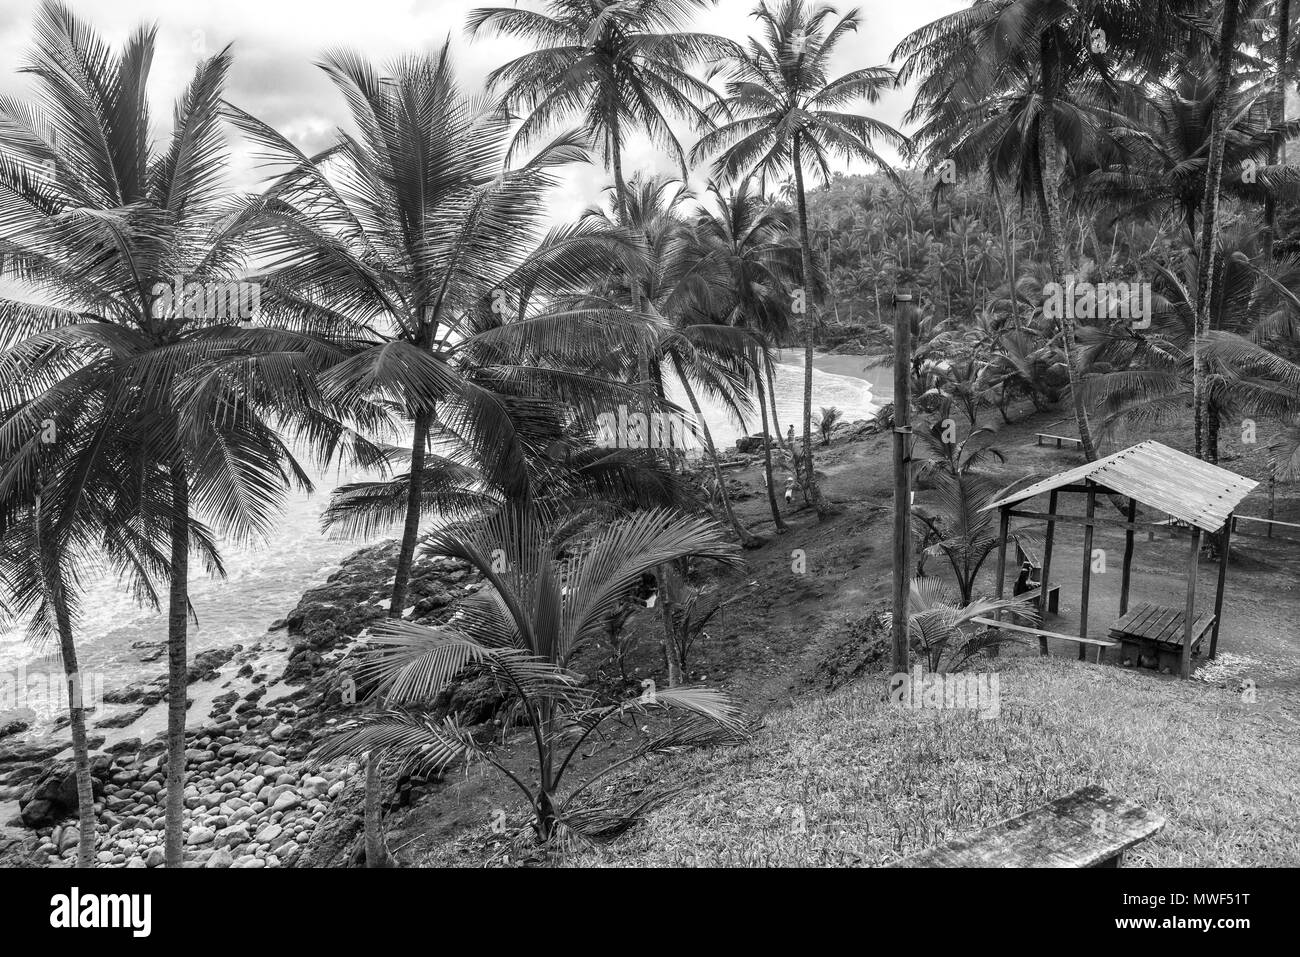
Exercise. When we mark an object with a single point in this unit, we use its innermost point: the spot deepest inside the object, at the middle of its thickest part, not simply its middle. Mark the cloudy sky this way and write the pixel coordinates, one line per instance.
(277, 42)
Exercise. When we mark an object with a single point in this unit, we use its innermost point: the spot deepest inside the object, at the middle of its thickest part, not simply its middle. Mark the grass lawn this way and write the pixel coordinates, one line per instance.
(873, 782)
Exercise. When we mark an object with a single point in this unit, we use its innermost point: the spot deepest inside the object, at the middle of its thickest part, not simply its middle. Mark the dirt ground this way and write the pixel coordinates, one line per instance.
(785, 632)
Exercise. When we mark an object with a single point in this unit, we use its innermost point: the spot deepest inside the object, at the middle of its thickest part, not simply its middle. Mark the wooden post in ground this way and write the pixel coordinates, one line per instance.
(1044, 584)
(1128, 558)
(1224, 544)
(902, 475)
(1003, 526)
(1190, 608)
(1087, 575)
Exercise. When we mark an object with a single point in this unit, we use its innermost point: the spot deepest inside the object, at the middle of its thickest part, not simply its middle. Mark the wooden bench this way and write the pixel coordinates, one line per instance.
(1025, 555)
(1089, 828)
(1040, 436)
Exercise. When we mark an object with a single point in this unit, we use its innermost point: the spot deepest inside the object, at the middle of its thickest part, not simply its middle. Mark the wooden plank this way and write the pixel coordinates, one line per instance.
(1083, 520)
(1043, 633)
(1088, 828)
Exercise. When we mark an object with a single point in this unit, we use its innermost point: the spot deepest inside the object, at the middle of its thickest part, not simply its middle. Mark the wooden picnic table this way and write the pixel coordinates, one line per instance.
(1159, 625)
(1152, 635)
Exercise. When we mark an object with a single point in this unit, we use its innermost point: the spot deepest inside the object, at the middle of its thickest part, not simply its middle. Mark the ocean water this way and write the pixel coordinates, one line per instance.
(264, 581)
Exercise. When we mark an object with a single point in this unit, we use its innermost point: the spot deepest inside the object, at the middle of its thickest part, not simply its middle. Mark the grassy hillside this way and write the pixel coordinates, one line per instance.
(875, 782)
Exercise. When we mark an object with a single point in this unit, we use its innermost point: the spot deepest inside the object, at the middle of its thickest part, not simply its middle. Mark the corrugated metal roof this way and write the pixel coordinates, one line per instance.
(1178, 484)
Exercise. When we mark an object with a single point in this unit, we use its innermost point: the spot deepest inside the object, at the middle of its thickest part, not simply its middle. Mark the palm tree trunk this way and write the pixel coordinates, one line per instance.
(372, 817)
(50, 568)
(373, 814)
(1210, 214)
(805, 250)
(777, 520)
(1050, 176)
(643, 376)
(747, 538)
(776, 422)
(177, 685)
(411, 527)
(1277, 147)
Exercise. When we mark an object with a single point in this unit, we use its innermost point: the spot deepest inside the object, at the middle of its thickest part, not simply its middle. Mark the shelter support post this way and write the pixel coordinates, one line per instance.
(1128, 560)
(1224, 544)
(1087, 576)
(1003, 527)
(1190, 609)
(1044, 585)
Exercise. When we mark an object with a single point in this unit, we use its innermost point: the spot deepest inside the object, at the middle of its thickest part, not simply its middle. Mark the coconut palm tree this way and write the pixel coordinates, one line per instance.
(101, 239)
(747, 241)
(781, 113)
(678, 290)
(432, 265)
(620, 67)
(551, 587)
(1210, 225)
(1247, 357)
(55, 538)
(993, 73)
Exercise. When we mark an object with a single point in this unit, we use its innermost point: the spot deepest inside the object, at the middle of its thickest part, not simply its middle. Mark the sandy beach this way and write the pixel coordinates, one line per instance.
(870, 368)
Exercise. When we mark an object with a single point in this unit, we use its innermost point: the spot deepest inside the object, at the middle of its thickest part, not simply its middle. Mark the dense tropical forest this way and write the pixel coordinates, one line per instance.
(1090, 203)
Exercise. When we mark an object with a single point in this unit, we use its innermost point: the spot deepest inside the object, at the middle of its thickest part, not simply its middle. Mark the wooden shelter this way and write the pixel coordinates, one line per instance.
(1192, 493)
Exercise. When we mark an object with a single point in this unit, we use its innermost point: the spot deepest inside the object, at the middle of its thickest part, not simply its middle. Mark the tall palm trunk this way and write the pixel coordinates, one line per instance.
(776, 422)
(377, 854)
(805, 251)
(1210, 216)
(1277, 115)
(177, 622)
(1050, 194)
(53, 577)
(777, 520)
(668, 641)
(747, 538)
(372, 815)
(411, 526)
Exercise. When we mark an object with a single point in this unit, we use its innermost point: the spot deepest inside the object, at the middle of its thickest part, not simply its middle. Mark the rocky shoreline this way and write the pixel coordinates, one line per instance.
(253, 798)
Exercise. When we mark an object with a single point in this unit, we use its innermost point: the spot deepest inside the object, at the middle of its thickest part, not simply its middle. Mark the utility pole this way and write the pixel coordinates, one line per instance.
(903, 313)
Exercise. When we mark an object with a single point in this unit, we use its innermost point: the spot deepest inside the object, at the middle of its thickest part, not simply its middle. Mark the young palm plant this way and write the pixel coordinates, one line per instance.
(782, 113)
(551, 587)
(943, 632)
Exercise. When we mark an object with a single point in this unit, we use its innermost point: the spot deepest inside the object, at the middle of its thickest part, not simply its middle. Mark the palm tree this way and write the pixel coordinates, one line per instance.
(781, 113)
(41, 547)
(1210, 209)
(678, 291)
(746, 240)
(551, 595)
(100, 243)
(430, 265)
(620, 66)
(1247, 356)
(964, 532)
(1007, 84)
